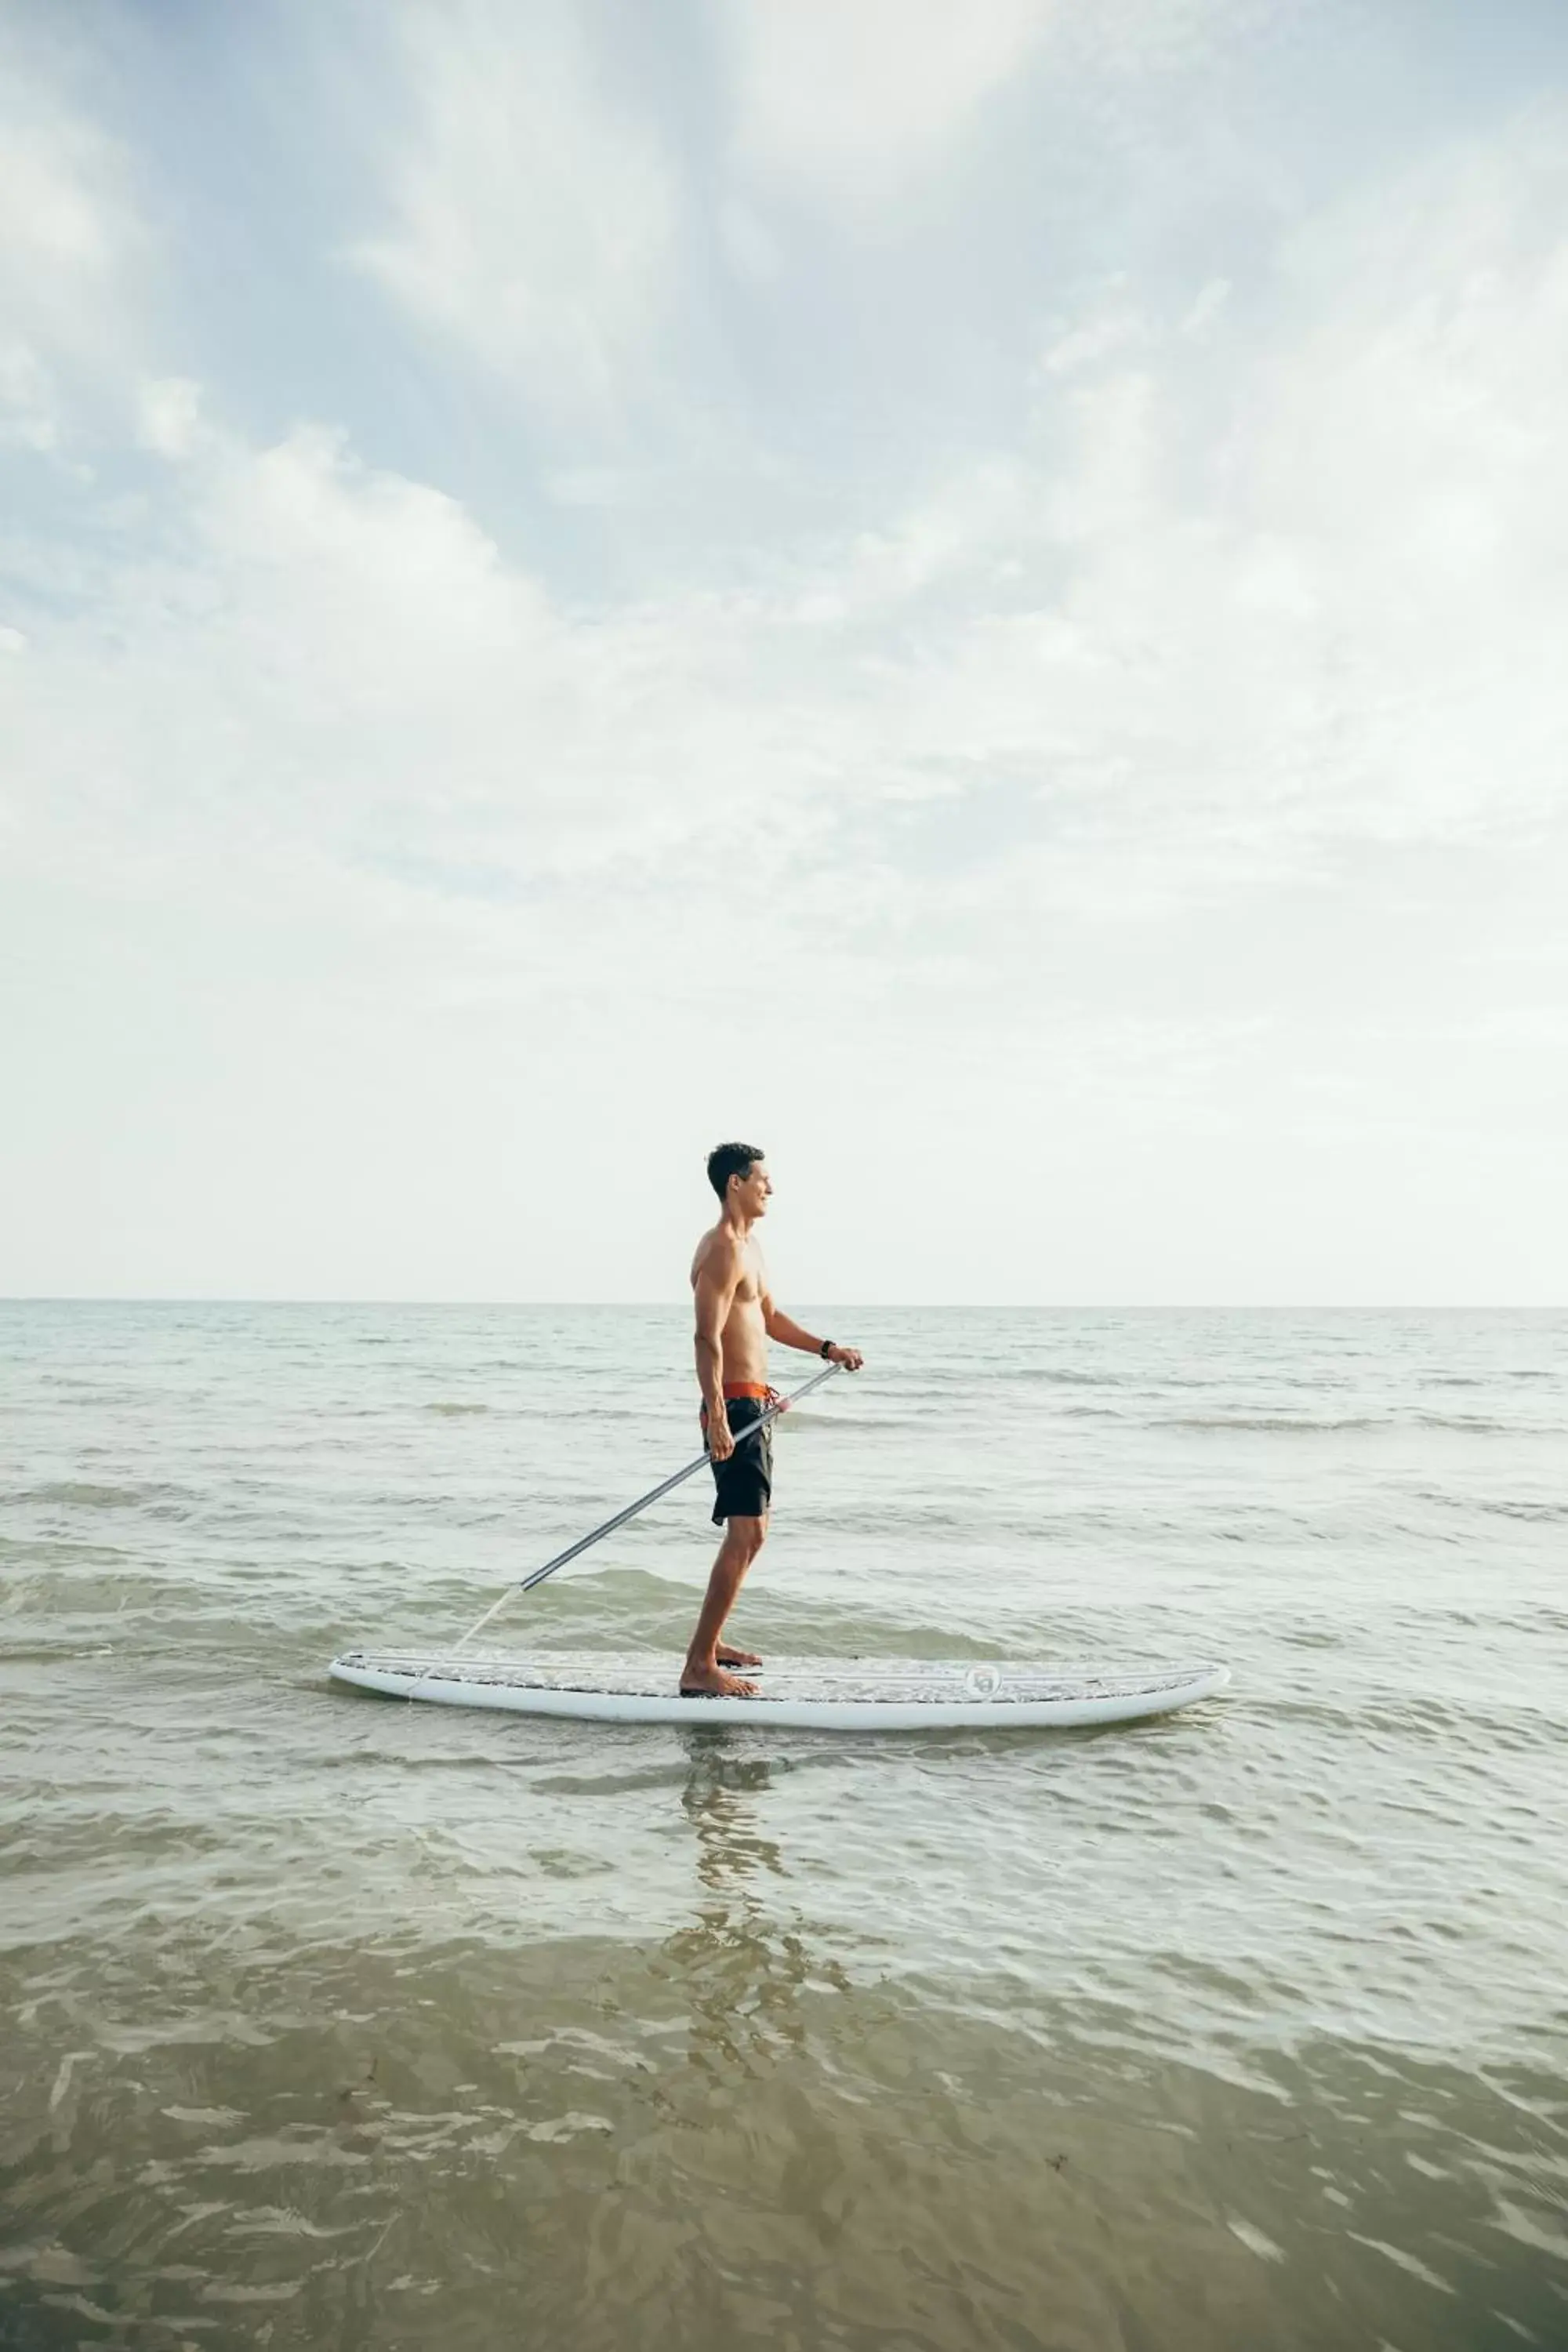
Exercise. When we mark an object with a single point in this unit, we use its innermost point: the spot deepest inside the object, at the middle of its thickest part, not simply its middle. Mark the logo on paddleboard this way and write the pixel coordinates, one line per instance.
(982, 1682)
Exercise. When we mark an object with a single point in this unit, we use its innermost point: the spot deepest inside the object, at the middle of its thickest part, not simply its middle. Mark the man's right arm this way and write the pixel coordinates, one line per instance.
(716, 1286)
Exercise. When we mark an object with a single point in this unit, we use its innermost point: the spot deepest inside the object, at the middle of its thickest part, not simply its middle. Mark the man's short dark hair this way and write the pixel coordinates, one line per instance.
(729, 1160)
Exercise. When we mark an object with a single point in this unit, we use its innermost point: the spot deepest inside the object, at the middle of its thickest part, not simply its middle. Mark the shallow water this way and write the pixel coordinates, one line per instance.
(335, 2021)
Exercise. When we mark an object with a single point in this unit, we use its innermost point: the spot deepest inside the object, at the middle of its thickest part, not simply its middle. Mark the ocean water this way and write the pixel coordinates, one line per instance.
(327, 2021)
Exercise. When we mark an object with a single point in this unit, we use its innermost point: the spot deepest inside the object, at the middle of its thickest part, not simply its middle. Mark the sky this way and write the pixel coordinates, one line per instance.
(972, 595)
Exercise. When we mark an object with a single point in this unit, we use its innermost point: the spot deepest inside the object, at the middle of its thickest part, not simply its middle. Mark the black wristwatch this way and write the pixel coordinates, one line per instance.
(826, 1348)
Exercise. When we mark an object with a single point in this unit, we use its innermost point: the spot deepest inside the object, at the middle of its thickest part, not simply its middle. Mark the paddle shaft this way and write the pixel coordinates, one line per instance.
(584, 1543)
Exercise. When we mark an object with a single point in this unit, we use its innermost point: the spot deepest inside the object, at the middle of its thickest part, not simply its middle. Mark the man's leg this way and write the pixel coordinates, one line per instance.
(744, 1539)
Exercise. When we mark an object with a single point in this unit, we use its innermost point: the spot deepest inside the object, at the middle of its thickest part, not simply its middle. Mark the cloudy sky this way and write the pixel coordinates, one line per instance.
(971, 591)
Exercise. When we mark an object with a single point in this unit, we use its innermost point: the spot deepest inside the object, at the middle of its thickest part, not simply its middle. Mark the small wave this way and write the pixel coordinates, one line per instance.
(1483, 1423)
(804, 1417)
(1289, 1423)
(449, 1410)
(84, 1494)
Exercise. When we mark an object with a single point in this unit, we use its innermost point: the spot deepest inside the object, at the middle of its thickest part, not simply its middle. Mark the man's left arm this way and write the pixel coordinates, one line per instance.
(790, 1334)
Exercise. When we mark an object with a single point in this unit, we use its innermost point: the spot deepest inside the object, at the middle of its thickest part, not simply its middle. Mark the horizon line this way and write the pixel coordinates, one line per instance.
(923, 1306)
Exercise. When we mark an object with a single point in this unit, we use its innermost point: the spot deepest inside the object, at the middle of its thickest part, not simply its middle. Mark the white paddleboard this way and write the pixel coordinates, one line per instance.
(794, 1693)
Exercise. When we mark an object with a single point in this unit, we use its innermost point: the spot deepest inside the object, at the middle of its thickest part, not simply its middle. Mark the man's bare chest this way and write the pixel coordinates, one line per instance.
(748, 1289)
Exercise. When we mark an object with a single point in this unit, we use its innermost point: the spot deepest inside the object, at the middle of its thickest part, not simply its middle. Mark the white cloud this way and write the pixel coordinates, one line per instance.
(851, 104)
(845, 98)
(72, 245)
(1311, 637)
(1196, 682)
(170, 415)
(29, 408)
(51, 223)
(1326, 605)
(530, 218)
(1094, 337)
(1208, 305)
(338, 658)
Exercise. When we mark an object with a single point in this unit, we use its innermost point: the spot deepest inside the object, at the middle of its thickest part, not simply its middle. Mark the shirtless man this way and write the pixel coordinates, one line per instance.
(736, 1317)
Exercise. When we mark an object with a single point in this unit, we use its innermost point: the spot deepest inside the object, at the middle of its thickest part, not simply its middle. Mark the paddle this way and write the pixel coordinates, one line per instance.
(526, 1583)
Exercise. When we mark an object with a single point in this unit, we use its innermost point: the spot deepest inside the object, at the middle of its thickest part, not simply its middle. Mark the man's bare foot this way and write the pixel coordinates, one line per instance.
(729, 1657)
(712, 1682)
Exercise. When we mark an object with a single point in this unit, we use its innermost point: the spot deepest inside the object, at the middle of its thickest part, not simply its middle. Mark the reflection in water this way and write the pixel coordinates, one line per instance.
(725, 1774)
(742, 1967)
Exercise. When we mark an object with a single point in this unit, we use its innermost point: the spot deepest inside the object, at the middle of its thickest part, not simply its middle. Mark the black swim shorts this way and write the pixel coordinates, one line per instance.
(743, 1486)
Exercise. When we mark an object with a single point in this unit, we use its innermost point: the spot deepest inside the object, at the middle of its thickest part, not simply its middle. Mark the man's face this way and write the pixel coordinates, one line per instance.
(752, 1190)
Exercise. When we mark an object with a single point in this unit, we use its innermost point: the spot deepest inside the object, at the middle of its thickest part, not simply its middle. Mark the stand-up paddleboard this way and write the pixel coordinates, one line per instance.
(795, 1694)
